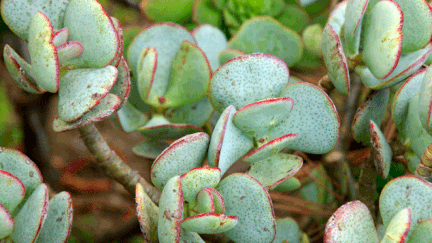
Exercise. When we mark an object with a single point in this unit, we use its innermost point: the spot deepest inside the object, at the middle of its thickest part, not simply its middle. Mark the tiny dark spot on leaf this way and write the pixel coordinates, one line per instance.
(242, 197)
(59, 219)
(265, 229)
(31, 173)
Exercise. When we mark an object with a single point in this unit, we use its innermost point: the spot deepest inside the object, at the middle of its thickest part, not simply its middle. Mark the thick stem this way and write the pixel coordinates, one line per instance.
(113, 165)
(367, 185)
(424, 170)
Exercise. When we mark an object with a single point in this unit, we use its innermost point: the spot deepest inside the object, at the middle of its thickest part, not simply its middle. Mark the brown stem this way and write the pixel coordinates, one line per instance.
(113, 165)
(367, 185)
(326, 84)
(424, 169)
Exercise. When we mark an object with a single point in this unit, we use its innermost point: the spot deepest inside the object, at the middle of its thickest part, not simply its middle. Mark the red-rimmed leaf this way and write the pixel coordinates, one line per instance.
(270, 148)
(147, 213)
(209, 223)
(12, 190)
(170, 211)
(197, 179)
(7, 222)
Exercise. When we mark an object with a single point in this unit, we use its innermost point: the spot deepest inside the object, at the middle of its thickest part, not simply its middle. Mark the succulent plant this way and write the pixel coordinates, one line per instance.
(26, 213)
(404, 208)
(65, 57)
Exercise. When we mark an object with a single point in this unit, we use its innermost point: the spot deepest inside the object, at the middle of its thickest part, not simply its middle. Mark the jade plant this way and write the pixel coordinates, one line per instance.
(26, 213)
(171, 70)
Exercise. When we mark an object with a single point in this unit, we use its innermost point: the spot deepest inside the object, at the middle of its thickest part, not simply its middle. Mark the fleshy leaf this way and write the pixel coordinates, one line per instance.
(289, 184)
(210, 201)
(265, 34)
(247, 79)
(398, 227)
(425, 101)
(212, 41)
(83, 89)
(147, 213)
(314, 119)
(190, 237)
(373, 108)
(383, 38)
(130, 118)
(228, 54)
(68, 51)
(270, 148)
(197, 179)
(353, 24)
(150, 148)
(177, 11)
(19, 165)
(107, 106)
(204, 12)
(119, 30)
(159, 128)
(381, 151)
(180, 157)
(99, 38)
(196, 113)
(260, 118)
(422, 233)
(337, 17)
(122, 85)
(402, 98)
(31, 217)
(12, 191)
(58, 223)
(17, 14)
(242, 195)
(275, 169)
(352, 222)
(406, 192)
(228, 143)
(209, 223)
(60, 37)
(287, 230)
(170, 211)
(7, 222)
(294, 18)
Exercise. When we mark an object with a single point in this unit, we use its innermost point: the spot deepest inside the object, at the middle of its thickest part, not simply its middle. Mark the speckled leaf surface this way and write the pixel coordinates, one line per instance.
(209, 223)
(373, 108)
(197, 179)
(190, 237)
(290, 184)
(99, 37)
(190, 74)
(275, 169)
(228, 143)
(406, 192)
(58, 223)
(247, 199)
(150, 148)
(381, 231)
(7, 225)
(259, 118)
(19, 165)
(265, 34)
(60, 37)
(425, 101)
(334, 59)
(166, 39)
(179, 158)
(170, 211)
(16, 67)
(247, 79)
(12, 191)
(122, 85)
(418, 136)
(68, 51)
(417, 24)
(422, 233)
(145, 74)
(287, 230)
(212, 41)
(270, 148)
(383, 38)
(408, 64)
(147, 213)
(119, 30)
(44, 59)
(314, 119)
(398, 227)
(83, 89)
(167, 130)
(228, 54)
(402, 99)
(107, 106)
(130, 118)
(210, 201)
(355, 11)
(337, 17)
(196, 113)
(352, 222)
(29, 220)
(381, 151)
(17, 14)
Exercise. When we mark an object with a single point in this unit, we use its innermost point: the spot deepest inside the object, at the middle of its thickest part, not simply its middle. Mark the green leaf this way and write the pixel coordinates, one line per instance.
(290, 184)
(210, 201)
(177, 11)
(380, 149)
(312, 38)
(83, 89)
(352, 222)
(383, 38)
(122, 85)
(275, 169)
(353, 25)
(196, 113)
(12, 191)
(60, 37)
(287, 230)
(270, 148)
(337, 17)
(118, 29)
(160, 128)
(130, 118)
(398, 227)
(68, 50)
(247, 79)
(179, 158)
(190, 237)
(228, 143)
(99, 38)
(58, 223)
(228, 54)
(204, 13)
(7, 225)
(31, 217)
(294, 18)
(242, 195)
(150, 148)
(373, 108)
(170, 211)
(422, 233)
(197, 179)
(147, 213)
(314, 119)
(209, 223)
(265, 34)
(425, 98)
(212, 41)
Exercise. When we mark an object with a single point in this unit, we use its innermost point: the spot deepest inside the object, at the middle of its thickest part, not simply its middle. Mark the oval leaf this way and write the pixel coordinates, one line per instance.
(197, 179)
(7, 222)
(212, 41)
(269, 149)
(353, 24)
(209, 223)
(381, 151)
(425, 101)
(196, 113)
(130, 118)
(12, 191)
(147, 213)
(150, 148)
(398, 227)
(228, 54)
(287, 230)
(419, 137)
(170, 211)
(423, 232)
